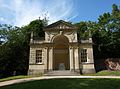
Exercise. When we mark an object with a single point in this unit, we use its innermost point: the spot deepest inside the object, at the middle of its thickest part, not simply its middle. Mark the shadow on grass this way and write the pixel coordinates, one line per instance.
(68, 84)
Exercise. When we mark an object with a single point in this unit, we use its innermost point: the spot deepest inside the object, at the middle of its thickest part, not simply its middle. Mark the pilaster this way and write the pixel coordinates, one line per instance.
(50, 58)
(71, 58)
(45, 58)
(76, 59)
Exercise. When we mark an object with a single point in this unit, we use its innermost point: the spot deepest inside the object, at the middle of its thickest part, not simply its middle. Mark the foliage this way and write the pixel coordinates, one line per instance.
(36, 26)
(14, 48)
(13, 53)
(105, 34)
(82, 30)
(68, 84)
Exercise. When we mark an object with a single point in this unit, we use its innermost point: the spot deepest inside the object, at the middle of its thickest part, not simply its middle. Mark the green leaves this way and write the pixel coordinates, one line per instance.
(105, 33)
(37, 27)
(14, 46)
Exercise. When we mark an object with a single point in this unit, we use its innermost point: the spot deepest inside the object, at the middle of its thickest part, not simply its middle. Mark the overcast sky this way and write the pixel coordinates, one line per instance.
(21, 12)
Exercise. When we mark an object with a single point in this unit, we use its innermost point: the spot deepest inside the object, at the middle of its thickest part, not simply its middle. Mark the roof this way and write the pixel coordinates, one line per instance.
(60, 25)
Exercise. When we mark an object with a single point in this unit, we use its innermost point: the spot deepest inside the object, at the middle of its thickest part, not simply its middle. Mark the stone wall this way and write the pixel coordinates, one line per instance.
(87, 67)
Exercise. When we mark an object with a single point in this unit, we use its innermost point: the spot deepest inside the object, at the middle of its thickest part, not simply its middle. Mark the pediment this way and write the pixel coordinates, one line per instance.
(60, 25)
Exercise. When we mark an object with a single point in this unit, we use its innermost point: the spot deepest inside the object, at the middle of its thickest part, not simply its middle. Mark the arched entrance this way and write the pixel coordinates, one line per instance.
(61, 53)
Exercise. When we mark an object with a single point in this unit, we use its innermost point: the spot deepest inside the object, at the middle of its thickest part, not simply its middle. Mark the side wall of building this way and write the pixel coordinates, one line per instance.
(35, 68)
(88, 66)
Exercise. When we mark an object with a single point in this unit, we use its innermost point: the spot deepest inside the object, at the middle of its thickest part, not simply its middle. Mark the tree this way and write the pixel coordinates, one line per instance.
(14, 51)
(82, 30)
(37, 27)
(109, 24)
(105, 33)
(12, 54)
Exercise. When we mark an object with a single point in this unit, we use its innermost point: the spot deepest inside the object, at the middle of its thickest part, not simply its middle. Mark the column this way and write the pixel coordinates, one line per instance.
(76, 59)
(51, 58)
(45, 58)
(32, 56)
(71, 58)
(90, 55)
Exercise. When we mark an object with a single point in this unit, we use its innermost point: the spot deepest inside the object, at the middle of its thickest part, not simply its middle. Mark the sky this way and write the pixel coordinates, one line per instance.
(22, 12)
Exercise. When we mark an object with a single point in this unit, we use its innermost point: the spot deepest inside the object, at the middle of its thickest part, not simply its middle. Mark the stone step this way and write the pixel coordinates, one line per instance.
(61, 73)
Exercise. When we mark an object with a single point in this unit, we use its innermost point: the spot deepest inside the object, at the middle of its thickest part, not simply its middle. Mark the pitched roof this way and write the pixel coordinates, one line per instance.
(60, 25)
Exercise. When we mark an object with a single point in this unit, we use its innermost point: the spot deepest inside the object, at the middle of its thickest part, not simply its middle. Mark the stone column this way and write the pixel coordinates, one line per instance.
(76, 59)
(32, 56)
(90, 55)
(51, 58)
(45, 58)
(71, 58)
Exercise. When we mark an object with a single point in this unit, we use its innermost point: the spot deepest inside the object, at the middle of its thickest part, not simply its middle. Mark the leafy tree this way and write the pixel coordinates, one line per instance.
(82, 30)
(105, 33)
(37, 27)
(14, 50)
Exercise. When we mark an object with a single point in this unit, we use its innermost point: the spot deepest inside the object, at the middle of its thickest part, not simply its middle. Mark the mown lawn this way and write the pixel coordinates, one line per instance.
(108, 73)
(68, 84)
(14, 77)
(105, 73)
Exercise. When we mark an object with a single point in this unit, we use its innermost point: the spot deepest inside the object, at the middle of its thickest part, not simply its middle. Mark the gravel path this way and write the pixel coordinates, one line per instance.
(50, 77)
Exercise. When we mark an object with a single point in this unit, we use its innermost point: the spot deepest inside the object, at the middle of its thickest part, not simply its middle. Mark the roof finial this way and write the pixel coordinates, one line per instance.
(39, 18)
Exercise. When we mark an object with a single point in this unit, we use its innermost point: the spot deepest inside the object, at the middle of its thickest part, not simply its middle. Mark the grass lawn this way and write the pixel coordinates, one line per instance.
(105, 73)
(68, 84)
(108, 73)
(101, 73)
(14, 77)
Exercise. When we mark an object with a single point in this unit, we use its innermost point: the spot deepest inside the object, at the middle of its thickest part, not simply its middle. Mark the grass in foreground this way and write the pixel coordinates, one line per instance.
(68, 84)
(105, 73)
(14, 77)
(109, 73)
(101, 73)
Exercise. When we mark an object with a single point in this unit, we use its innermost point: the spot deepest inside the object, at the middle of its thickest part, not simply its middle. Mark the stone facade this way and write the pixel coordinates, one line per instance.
(60, 50)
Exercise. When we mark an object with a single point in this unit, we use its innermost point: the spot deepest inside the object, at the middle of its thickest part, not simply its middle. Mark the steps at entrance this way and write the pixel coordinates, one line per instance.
(61, 73)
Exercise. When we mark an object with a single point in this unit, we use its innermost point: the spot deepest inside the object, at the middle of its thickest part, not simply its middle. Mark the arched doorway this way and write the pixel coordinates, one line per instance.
(61, 53)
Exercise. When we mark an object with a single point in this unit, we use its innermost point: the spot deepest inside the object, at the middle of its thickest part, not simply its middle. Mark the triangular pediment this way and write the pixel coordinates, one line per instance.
(60, 25)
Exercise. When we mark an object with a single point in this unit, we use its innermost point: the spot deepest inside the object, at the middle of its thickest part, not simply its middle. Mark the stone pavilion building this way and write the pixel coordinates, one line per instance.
(60, 50)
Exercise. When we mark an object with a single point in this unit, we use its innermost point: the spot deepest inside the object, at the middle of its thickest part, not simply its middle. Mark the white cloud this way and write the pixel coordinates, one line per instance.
(25, 11)
(2, 19)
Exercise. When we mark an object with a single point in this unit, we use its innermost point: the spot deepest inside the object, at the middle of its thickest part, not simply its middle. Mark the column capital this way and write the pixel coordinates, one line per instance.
(50, 47)
(45, 47)
(70, 47)
(76, 47)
